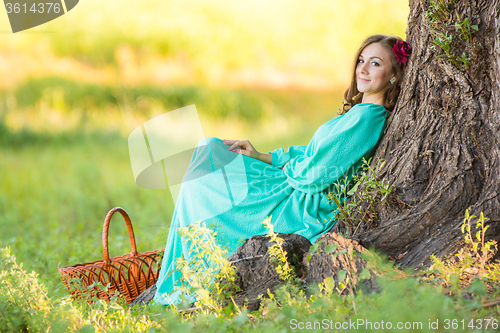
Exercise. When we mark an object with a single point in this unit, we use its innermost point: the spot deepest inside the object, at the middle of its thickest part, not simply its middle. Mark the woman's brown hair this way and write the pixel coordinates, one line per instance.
(352, 96)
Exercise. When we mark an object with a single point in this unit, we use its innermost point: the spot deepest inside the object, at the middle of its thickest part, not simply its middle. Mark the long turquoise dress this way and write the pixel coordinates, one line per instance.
(295, 197)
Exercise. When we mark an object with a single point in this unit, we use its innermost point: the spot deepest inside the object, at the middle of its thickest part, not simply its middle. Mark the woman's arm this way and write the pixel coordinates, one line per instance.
(246, 148)
(243, 147)
(266, 157)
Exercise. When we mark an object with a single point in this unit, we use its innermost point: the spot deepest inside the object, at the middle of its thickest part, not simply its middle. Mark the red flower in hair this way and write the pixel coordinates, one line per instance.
(402, 51)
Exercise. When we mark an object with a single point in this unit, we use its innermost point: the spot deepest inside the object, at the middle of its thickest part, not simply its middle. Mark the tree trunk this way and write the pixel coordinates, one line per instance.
(442, 142)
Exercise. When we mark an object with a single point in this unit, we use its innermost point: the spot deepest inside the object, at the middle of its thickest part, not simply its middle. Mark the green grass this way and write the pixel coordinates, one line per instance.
(54, 198)
(402, 301)
(65, 163)
(37, 97)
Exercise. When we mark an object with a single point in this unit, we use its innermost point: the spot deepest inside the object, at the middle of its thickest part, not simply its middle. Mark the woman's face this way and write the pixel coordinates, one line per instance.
(374, 71)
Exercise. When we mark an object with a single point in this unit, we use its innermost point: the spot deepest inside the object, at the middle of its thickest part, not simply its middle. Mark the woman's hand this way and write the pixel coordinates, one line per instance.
(283, 168)
(243, 147)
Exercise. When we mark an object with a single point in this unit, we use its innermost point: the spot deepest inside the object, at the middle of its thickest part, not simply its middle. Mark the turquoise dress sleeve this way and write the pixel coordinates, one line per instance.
(280, 158)
(337, 149)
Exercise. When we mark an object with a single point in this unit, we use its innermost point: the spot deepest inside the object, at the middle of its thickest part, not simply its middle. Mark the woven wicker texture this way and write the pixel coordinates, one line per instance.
(129, 274)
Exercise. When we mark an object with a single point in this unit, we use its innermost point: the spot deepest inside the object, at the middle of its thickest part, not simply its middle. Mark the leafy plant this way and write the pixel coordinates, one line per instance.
(439, 18)
(465, 28)
(464, 60)
(207, 276)
(481, 228)
(371, 192)
(312, 250)
(443, 41)
(437, 12)
(277, 254)
(23, 301)
(461, 272)
(25, 306)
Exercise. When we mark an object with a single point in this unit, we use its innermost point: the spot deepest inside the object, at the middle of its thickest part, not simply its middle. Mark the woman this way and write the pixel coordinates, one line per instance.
(291, 188)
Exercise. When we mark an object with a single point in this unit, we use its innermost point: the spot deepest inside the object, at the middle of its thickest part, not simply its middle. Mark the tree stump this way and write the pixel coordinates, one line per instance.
(145, 297)
(323, 264)
(256, 275)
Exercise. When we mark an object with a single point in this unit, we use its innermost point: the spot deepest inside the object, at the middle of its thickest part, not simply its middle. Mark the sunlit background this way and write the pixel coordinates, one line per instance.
(72, 90)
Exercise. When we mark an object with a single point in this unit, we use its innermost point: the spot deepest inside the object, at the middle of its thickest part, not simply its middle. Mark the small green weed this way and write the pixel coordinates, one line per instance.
(440, 22)
(23, 301)
(465, 28)
(466, 274)
(465, 261)
(360, 211)
(437, 12)
(278, 256)
(480, 245)
(208, 275)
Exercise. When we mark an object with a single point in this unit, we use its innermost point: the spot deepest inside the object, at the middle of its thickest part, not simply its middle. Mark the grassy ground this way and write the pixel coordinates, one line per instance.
(431, 300)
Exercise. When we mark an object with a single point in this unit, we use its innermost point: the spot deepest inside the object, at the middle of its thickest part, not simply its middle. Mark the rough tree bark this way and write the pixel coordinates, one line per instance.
(442, 142)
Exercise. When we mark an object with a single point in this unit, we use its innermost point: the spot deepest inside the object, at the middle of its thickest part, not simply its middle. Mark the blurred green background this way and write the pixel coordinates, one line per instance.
(72, 90)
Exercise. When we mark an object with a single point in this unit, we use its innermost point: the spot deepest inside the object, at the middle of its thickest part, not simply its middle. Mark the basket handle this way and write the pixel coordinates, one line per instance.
(105, 229)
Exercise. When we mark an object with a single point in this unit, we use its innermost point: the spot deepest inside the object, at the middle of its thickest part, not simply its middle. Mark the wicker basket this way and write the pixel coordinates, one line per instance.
(130, 274)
